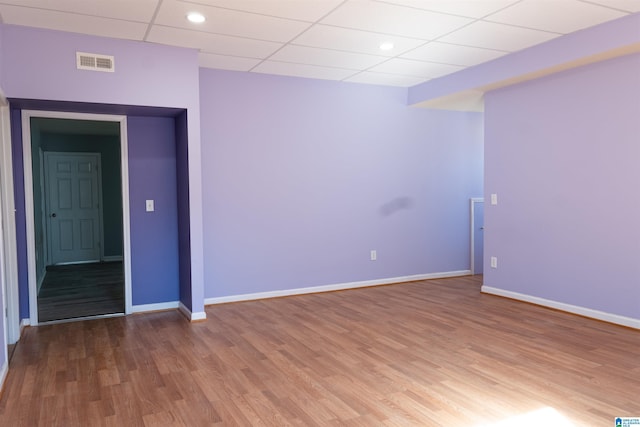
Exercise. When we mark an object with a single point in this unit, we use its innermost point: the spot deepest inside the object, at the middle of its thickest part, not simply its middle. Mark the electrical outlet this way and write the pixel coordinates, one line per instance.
(494, 199)
(150, 206)
(374, 255)
(494, 262)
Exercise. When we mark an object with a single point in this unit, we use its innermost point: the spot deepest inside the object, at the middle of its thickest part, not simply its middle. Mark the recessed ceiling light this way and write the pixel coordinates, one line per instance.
(386, 46)
(195, 17)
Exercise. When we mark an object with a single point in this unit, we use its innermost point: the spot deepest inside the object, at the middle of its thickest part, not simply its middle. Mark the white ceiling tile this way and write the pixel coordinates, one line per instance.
(326, 57)
(354, 40)
(302, 70)
(240, 34)
(223, 62)
(73, 23)
(138, 10)
(304, 10)
(212, 43)
(497, 36)
(173, 13)
(624, 5)
(387, 18)
(368, 77)
(470, 8)
(560, 16)
(409, 67)
(452, 54)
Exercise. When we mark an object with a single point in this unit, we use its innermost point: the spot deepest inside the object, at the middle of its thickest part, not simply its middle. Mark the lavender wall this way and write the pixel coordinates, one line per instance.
(146, 75)
(3, 341)
(3, 338)
(3, 335)
(154, 235)
(303, 178)
(1, 61)
(562, 154)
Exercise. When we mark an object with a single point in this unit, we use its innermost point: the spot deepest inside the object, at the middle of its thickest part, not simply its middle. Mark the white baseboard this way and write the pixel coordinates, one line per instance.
(155, 307)
(192, 317)
(196, 317)
(582, 311)
(24, 323)
(335, 287)
(112, 258)
(3, 374)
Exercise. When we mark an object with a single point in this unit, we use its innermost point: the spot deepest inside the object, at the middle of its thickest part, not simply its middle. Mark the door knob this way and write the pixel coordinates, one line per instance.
(53, 215)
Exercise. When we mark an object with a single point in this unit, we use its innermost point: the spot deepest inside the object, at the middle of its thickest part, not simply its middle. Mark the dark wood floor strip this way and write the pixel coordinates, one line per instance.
(428, 353)
(81, 290)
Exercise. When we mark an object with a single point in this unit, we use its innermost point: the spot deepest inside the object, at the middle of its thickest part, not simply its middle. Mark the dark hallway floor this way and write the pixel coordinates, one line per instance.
(81, 290)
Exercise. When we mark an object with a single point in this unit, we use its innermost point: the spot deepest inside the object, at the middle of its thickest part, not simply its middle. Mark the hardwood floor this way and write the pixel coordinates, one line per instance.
(428, 353)
(80, 290)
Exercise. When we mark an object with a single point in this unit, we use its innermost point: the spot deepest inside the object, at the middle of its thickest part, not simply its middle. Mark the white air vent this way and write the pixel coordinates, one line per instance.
(95, 62)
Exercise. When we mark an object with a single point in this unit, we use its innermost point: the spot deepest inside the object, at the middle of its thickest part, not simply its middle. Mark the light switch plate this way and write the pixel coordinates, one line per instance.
(494, 199)
(150, 206)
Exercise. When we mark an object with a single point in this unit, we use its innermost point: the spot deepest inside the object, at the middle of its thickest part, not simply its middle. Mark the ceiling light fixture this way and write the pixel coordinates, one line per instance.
(195, 17)
(386, 46)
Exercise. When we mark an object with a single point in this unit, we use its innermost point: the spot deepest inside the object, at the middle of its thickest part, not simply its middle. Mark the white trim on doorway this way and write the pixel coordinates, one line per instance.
(472, 204)
(10, 256)
(4, 354)
(29, 210)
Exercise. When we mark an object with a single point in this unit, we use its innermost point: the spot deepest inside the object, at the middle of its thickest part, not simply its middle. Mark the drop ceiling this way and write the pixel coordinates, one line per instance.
(329, 39)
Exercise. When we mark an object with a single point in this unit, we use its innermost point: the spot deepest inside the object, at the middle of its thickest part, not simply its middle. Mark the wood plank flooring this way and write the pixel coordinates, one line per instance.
(80, 290)
(427, 353)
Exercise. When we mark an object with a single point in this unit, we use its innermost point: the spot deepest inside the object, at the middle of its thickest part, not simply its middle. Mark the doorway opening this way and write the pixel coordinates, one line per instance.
(76, 203)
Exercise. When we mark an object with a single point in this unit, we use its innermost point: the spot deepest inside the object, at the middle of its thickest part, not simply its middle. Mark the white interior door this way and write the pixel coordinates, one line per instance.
(73, 207)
